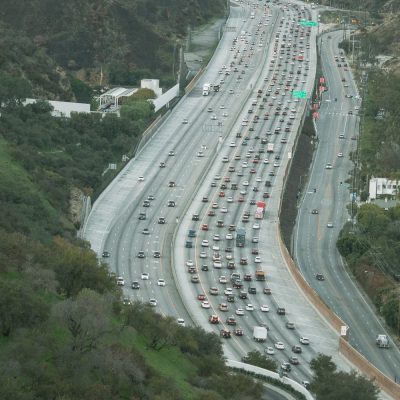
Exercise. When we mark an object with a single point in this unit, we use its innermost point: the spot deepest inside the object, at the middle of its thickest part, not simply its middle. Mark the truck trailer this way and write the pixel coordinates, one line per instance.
(206, 89)
(260, 334)
(260, 210)
(240, 237)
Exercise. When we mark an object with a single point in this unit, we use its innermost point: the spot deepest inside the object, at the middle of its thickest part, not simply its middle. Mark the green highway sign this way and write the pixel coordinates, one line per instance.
(300, 94)
(308, 23)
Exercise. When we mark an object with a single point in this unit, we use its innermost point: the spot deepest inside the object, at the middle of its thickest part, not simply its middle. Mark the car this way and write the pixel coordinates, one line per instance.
(286, 367)
(204, 267)
(205, 304)
(120, 281)
(153, 302)
(228, 291)
(215, 248)
(239, 311)
(340, 155)
(256, 225)
(135, 285)
(328, 166)
(249, 307)
(189, 263)
(145, 231)
(232, 144)
(306, 384)
(290, 325)
(171, 153)
(224, 210)
(297, 349)
(204, 227)
(329, 225)
(304, 340)
(264, 308)
(223, 307)
(320, 277)
(231, 321)
(214, 291)
(341, 136)
(106, 254)
(203, 254)
(314, 211)
(161, 220)
(145, 276)
(269, 350)
(245, 183)
(281, 311)
(201, 296)
(255, 240)
(162, 164)
(229, 236)
(222, 279)
(279, 346)
(216, 237)
(294, 360)
(171, 203)
(204, 243)
(141, 254)
(140, 178)
(171, 184)
(180, 322)
(184, 121)
(257, 259)
(161, 282)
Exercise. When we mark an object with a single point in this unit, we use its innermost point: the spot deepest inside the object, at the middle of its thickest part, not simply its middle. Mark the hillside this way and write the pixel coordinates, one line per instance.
(86, 37)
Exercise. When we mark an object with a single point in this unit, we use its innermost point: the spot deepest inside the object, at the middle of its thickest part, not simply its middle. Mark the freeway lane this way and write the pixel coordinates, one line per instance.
(315, 244)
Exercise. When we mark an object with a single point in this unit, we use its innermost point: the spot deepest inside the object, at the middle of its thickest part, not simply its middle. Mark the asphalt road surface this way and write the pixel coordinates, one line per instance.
(314, 242)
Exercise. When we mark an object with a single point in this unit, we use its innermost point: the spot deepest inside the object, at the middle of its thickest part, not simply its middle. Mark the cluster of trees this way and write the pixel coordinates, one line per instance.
(372, 251)
(65, 332)
(330, 384)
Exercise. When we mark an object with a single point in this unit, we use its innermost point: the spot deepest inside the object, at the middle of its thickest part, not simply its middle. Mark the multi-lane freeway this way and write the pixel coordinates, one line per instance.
(209, 159)
(315, 242)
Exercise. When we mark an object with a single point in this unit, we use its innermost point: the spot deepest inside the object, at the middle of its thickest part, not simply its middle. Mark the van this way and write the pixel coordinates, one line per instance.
(235, 276)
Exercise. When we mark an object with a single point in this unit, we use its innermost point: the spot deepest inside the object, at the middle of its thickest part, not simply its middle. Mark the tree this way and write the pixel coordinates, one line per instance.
(137, 110)
(13, 90)
(328, 384)
(19, 307)
(258, 359)
(87, 318)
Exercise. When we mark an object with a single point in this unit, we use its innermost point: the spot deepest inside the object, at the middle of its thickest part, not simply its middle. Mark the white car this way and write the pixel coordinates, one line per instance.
(240, 311)
(229, 199)
(266, 161)
(244, 164)
(203, 254)
(340, 155)
(233, 144)
(205, 304)
(304, 340)
(328, 166)
(153, 302)
(180, 322)
(264, 308)
(256, 225)
(204, 243)
(228, 291)
(224, 210)
(222, 279)
(258, 179)
(257, 259)
(229, 236)
(245, 183)
(215, 247)
(120, 281)
(276, 164)
(249, 307)
(255, 240)
(217, 264)
(217, 177)
(161, 282)
(189, 263)
(269, 350)
(216, 237)
(145, 276)
(140, 178)
(279, 346)
(329, 225)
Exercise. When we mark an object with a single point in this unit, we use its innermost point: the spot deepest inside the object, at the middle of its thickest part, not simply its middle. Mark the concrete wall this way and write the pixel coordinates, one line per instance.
(166, 97)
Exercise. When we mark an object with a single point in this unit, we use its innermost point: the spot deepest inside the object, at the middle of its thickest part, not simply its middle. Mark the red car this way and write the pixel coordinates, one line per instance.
(201, 297)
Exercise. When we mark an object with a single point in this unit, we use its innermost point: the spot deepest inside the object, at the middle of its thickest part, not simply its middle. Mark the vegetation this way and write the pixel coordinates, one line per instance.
(330, 384)
(256, 358)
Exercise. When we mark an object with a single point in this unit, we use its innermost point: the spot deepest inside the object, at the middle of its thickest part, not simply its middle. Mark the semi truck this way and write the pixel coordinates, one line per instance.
(382, 341)
(270, 148)
(206, 89)
(260, 333)
(260, 275)
(240, 237)
(260, 210)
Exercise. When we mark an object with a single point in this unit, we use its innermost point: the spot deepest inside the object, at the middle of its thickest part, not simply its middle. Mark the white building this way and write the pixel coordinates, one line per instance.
(113, 96)
(153, 84)
(64, 108)
(382, 187)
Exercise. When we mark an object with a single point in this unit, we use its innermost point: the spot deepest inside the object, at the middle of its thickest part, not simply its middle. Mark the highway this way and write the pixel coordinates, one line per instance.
(258, 63)
(314, 243)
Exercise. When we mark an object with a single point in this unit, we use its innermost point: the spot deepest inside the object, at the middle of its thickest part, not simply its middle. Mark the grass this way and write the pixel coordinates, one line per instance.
(168, 362)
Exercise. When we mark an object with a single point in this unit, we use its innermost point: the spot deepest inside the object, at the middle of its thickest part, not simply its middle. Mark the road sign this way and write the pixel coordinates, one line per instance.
(304, 22)
(300, 94)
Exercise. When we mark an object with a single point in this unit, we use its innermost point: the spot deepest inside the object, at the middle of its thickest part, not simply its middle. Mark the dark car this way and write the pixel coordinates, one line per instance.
(320, 277)
(281, 311)
(296, 349)
(106, 254)
(135, 285)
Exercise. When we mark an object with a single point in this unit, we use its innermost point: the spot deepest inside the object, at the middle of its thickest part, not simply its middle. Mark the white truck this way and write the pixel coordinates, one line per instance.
(270, 148)
(260, 333)
(382, 341)
(206, 89)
